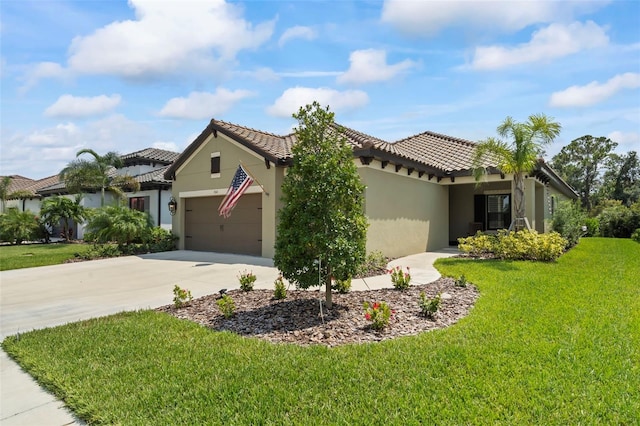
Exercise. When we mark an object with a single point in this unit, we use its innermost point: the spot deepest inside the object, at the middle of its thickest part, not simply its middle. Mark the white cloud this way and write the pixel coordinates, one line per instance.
(167, 37)
(298, 31)
(292, 99)
(429, 17)
(42, 70)
(370, 65)
(625, 139)
(168, 146)
(594, 92)
(199, 105)
(554, 41)
(68, 106)
(45, 151)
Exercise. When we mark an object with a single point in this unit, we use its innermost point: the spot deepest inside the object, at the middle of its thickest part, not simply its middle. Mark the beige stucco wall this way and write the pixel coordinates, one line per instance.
(406, 215)
(194, 179)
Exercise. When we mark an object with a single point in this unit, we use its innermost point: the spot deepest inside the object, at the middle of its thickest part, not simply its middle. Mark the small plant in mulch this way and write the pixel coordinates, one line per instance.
(401, 280)
(280, 291)
(181, 296)
(461, 281)
(429, 306)
(379, 313)
(247, 279)
(227, 306)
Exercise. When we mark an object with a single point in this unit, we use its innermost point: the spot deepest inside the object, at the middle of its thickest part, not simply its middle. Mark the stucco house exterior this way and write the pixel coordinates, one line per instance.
(420, 193)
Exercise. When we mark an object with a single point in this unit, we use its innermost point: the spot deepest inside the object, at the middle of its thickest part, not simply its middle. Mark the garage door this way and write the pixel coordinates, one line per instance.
(241, 233)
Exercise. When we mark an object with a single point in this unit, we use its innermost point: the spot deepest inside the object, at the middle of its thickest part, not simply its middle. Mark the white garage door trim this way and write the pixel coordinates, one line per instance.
(215, 192)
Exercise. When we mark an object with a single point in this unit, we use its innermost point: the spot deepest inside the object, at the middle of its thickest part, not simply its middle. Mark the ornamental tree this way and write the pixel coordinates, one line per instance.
(322, 227)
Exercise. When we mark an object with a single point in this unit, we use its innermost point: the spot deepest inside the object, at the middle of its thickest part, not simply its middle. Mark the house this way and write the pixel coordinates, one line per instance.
(24, 192)
(147, 166)
(420, 193)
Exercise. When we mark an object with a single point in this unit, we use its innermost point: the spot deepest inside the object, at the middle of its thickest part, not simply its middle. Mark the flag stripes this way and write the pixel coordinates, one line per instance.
(241, 181)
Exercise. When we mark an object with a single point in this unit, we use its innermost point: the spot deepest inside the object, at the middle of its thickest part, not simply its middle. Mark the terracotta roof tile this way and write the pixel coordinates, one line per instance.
(427, 151)
(30, 186)
(151, 154)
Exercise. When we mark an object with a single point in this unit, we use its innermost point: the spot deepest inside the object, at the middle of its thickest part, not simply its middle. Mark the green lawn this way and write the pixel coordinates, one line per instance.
(547, 343)
(28, 256)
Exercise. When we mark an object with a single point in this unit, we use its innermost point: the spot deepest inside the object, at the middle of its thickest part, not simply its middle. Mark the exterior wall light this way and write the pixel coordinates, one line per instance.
(173, 206)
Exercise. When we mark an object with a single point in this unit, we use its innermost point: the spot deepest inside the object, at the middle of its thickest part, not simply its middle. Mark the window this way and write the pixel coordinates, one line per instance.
(498, 211)
(215, 164)
(493, 211)
(139, 203)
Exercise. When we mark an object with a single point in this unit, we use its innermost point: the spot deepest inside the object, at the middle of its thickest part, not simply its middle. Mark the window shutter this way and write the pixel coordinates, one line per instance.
(479, 208)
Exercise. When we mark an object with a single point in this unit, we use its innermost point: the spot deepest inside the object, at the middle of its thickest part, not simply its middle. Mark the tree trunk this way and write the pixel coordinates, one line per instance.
(518, 200)
(328, 298)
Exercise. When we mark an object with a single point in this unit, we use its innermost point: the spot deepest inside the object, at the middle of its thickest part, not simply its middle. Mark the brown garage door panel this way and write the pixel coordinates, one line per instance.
(205, 230)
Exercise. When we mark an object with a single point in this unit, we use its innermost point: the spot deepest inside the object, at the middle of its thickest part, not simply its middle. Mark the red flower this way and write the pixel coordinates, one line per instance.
(367, 316)
(376, 305)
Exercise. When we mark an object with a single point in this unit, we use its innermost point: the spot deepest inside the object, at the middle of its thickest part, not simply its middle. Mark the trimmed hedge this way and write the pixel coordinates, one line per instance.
(521, 245)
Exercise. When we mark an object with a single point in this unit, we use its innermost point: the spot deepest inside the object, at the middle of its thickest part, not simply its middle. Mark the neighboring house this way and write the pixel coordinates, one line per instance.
(147, 166)
(26, 190)
(420, 193)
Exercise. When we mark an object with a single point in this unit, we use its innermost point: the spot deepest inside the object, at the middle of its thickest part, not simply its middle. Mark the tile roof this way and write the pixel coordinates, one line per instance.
(154, 176)
(30, 186)
(428, 151)
(439, 151)
(151, 154)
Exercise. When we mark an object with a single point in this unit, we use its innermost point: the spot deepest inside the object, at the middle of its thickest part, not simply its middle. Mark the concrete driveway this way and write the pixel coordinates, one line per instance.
(42, 297)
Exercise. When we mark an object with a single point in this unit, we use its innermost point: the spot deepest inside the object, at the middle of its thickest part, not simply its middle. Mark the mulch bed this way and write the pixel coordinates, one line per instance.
(298, 318)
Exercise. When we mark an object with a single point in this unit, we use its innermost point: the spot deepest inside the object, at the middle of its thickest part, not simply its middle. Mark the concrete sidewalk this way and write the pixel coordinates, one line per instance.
(47, 296)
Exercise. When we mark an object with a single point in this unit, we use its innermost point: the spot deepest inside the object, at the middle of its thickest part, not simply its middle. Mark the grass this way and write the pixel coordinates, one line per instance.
(547, 343)
(30, 255)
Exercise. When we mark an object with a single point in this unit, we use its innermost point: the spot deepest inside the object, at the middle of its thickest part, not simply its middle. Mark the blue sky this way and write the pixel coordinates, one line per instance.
(123, 76)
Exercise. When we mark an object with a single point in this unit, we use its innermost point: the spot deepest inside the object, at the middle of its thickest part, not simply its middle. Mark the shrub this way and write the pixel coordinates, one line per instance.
(522, 245)
(568, 221)
(401, 280)
(619, 221)
(159, 239)
(593, 227)
(529, 245)
(17, 226)
(375, 264)
(429, 307)
(246, 280)
(227, 306)
(280, 291)
(99, 251)
(342, 286)
(379, 313)
(636, 235)
(119, 224)
(181, 296)
(478, 245)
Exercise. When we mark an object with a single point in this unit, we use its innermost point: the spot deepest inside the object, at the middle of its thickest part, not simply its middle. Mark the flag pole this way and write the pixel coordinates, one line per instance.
(254, 178)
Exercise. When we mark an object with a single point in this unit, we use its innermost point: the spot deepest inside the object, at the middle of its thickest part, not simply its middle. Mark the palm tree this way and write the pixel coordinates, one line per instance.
(120, 224)
(97, 173)
(519, 156)
(5, 182)
(57, 209)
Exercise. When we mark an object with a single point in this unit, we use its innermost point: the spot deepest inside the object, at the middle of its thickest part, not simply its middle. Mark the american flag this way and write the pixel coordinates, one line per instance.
(241, 181)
